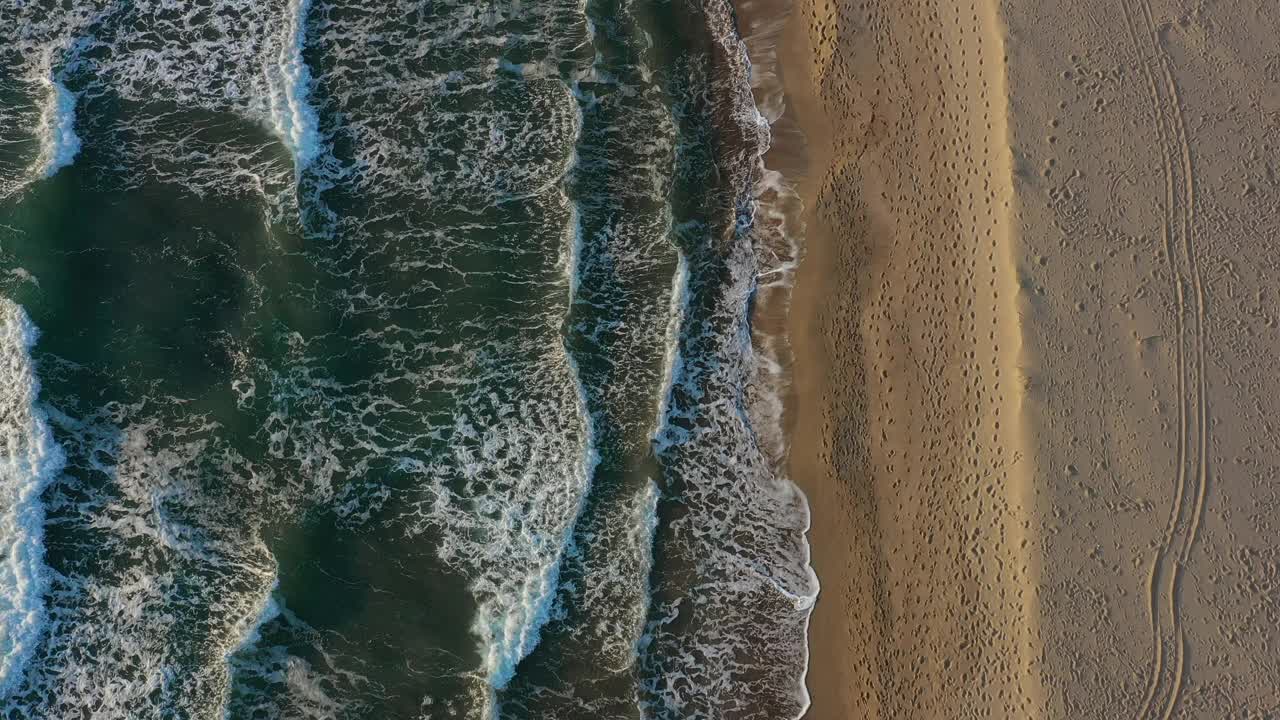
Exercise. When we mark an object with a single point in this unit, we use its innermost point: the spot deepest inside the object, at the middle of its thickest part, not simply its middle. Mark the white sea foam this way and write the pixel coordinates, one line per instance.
(29, 461)
(511, 633)
(525, 453)
(237, 58)
(221, 56)
(272, 680)
(778, 216)
(245, 634)
(289, 82)
(510, 630)
(59, 143)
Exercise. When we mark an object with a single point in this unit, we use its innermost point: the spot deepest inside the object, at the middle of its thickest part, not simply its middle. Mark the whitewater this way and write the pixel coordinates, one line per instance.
(498, 438)
(30, 461)
(289, 79)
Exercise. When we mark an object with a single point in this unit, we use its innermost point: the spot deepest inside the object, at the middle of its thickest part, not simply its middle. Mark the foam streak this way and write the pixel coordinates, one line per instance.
(59, 143)
(289, 80)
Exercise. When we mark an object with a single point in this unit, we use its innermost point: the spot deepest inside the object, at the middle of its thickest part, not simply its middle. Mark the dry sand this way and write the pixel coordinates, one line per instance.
(1037, 334)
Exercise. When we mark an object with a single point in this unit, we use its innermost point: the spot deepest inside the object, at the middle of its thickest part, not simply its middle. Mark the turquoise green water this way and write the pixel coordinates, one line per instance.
(394, 360)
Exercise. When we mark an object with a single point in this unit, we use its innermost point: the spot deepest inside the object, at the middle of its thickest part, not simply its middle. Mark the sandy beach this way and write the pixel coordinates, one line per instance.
(1035, 405)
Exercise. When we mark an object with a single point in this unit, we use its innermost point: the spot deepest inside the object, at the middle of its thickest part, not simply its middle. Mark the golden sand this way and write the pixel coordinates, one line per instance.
(1035, 332)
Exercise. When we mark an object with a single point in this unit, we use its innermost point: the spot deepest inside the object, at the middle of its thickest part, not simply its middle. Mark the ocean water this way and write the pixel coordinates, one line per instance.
(392, 359)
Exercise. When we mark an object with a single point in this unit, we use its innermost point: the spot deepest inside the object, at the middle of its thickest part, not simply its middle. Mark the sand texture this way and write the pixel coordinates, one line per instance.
(1037, 356)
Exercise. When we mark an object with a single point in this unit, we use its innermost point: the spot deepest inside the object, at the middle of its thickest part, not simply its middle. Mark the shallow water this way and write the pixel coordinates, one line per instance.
(394, 360)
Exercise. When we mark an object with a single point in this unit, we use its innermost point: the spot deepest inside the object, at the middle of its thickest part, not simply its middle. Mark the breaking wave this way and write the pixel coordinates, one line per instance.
(30, 461)
(59, 143)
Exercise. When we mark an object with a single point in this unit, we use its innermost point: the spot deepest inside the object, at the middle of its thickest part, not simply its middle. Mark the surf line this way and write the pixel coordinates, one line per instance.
(506, 644)
(291, 115)
(30, 462)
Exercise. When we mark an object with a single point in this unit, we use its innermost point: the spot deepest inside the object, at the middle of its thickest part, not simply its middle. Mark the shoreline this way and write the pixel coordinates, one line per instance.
(805, 420)
(808, 422)
(801, 150)
(763, 27)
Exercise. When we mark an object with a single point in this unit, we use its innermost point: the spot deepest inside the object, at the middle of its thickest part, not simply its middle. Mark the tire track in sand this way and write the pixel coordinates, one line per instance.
(1169, 642)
